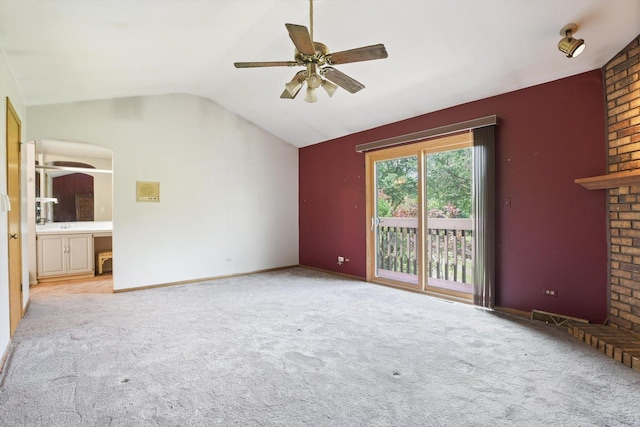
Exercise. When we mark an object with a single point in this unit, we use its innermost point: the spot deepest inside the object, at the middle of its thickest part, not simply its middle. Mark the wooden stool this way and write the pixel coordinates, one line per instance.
(102, 257)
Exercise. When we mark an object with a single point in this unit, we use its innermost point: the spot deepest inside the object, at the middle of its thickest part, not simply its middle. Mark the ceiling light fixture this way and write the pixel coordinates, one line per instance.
(568, 45)
(329, 87)
(295, 84)
(313, 82)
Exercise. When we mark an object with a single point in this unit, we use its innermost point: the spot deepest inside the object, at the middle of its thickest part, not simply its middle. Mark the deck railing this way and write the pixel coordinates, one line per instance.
(449, 246)
(398, 245)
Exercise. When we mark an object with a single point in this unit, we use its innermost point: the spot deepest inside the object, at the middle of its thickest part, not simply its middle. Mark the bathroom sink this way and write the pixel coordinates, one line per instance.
(74, 227)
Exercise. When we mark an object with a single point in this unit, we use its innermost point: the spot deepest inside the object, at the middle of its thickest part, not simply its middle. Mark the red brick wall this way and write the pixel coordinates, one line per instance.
(622, 88)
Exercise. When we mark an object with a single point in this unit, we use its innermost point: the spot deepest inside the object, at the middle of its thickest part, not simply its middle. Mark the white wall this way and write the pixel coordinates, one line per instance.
(8, 89)
(228, 190)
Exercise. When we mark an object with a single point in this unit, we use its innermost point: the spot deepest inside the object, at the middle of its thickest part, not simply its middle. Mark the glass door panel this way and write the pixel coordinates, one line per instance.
(449, 219)
(395, 220)
(420, 201)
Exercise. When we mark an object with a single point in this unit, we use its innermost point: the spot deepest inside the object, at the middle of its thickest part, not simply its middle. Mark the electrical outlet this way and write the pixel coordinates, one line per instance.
(340, 260)
(551, 292)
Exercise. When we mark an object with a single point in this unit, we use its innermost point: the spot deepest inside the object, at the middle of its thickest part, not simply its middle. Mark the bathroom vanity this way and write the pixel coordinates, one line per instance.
(67, 249)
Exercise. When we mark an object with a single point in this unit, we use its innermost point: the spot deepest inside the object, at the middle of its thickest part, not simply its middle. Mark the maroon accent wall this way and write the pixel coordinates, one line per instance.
(65, 188)
(552, 236)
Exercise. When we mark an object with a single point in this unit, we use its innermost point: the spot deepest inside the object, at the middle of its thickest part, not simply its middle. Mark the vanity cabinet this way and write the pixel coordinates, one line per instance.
(64, 255)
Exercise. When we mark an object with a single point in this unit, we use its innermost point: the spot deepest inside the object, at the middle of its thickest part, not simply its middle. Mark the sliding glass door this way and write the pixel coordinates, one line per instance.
(420, 203)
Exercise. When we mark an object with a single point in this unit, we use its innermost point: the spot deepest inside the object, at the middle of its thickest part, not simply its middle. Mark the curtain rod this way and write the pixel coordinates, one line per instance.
(423, 134)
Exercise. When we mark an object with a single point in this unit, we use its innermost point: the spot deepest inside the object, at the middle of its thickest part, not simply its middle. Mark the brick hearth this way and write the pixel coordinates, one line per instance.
(616, 343)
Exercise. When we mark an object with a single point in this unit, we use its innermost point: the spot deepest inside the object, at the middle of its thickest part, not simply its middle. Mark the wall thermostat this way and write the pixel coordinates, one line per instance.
(147, 191)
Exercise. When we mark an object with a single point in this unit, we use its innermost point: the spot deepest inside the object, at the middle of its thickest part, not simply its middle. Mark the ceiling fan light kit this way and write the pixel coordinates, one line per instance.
(295, 84)
(329, 87)
(568, 45)
(310, 96)
(318, 61)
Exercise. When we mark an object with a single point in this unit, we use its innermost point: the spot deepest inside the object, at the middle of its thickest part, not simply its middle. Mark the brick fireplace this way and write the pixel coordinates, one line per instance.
(622, 91)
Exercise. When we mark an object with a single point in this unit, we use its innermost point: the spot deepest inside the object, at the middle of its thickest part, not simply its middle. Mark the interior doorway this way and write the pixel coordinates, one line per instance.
(73, 196)
(420, 201)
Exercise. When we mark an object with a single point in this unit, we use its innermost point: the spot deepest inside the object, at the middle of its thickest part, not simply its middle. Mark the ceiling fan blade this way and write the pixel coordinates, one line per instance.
(342, 80)
(367, 53)
(301, 38)
(265, 64)
(287, 95)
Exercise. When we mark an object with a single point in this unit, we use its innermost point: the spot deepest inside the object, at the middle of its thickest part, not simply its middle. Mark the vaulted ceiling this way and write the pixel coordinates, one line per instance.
(441, 53)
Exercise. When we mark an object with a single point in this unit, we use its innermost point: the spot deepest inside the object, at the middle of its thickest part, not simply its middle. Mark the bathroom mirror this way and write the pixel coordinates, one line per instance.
(73, 182)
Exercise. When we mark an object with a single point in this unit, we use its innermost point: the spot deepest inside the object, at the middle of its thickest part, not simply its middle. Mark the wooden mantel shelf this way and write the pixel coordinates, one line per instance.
(612, 180)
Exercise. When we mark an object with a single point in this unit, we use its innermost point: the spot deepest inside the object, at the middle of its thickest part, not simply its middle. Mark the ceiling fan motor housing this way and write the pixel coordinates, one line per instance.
(320, 57)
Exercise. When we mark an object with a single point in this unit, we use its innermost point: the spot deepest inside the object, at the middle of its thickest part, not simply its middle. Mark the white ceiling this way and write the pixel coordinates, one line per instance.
(441, 53)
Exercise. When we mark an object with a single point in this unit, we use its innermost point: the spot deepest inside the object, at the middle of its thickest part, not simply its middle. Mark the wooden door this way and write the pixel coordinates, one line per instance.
(15, 238)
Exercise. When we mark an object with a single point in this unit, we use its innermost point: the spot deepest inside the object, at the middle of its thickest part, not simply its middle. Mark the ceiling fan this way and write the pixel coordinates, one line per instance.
(318, 61)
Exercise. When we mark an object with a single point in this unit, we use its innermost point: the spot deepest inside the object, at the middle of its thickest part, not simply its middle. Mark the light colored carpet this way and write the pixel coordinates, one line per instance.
(299, 348)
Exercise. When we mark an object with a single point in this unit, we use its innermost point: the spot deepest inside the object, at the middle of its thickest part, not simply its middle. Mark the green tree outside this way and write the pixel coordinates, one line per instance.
(397, 183)
(449, 185)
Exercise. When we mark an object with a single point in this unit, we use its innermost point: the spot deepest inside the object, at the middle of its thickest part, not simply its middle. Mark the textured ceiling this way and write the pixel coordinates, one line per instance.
(441, 53)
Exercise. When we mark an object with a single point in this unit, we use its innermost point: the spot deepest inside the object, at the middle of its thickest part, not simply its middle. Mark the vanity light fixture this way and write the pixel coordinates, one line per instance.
(47, 200)
(568, 45)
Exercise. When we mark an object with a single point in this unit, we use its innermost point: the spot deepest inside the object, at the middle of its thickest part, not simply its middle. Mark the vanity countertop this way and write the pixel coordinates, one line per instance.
(79, 227)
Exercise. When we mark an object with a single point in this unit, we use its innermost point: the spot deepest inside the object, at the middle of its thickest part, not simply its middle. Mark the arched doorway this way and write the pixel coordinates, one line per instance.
(72, 184)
